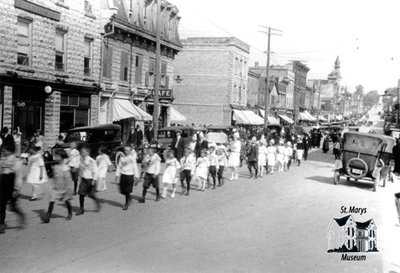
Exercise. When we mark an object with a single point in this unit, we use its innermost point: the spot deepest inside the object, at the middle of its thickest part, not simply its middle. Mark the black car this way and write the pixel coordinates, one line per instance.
(107, 135)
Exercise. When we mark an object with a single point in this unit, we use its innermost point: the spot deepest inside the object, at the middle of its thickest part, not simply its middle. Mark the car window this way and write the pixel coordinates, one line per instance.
(75, 136)
(102, 135)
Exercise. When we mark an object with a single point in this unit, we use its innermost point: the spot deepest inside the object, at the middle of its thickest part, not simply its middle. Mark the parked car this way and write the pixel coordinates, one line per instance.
(107, 135)
(227, 129)
(362, 154)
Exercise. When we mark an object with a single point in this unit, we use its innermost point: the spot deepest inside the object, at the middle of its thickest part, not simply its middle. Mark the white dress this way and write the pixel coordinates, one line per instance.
(262, 155)
(280, 154)
(170, 172)
(103, 162)
(287, 154)
(271, 152)
(35, 162)
(234, 155)
(202, 168)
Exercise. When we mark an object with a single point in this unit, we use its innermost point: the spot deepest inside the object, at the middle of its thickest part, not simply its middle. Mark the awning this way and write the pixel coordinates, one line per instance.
(126, 109)
(322, 118)
(271, 120)
(303, 116)
(287, 119)
(177, 116)
(247, 117)
(310, 117)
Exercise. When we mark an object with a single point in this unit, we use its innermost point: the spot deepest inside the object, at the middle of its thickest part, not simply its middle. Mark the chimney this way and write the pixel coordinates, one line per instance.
(256, 64)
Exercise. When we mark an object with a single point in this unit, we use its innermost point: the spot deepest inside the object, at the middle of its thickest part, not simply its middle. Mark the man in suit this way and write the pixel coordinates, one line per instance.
(178, 145)
(139, 133)
(132, 139)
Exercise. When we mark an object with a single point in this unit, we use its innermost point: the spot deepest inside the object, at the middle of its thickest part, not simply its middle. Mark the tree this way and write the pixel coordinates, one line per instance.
(371, 98)
(359, 90)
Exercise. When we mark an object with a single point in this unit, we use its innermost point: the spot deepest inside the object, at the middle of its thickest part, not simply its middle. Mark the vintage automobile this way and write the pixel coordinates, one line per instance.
(361, 157)
(107, 135)
(227, 129)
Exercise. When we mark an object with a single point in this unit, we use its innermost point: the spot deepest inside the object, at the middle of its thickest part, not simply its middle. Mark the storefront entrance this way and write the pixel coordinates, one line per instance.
(28, 106)
(74, 112)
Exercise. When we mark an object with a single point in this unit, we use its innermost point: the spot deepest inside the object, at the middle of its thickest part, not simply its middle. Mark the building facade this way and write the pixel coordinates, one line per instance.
(129, 59)
(214, 79)
(49, 65)
(253, 89)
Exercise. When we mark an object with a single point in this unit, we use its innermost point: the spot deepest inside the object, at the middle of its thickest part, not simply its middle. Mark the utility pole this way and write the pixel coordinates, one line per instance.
(157, 70)
(266, 101)
(398, 104)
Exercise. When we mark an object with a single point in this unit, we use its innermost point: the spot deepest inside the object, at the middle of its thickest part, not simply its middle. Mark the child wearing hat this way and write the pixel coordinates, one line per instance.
(152, 163)
(287, 155)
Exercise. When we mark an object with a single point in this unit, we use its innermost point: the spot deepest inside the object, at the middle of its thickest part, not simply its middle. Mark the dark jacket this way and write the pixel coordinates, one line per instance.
(179, 149)
(252, 153)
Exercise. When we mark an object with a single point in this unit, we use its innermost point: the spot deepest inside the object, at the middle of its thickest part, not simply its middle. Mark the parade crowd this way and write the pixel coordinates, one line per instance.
(186, 162)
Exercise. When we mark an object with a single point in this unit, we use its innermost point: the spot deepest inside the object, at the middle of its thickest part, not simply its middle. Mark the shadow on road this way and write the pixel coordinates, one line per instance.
(42, 213)
(365, 185)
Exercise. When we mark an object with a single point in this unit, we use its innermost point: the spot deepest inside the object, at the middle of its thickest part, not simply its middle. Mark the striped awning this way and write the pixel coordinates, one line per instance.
(287, 119)
(247, 117)
(124, 109)
(271, 120)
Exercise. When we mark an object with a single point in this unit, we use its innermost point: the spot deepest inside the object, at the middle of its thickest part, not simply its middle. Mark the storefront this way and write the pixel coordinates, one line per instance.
(74, 111)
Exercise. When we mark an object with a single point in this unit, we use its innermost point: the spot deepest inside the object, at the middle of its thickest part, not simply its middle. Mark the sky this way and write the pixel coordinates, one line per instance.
(364, 34)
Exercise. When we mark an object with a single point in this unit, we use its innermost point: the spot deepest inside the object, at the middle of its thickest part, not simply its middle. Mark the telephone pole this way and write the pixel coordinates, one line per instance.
(266, 101)
(157, 71)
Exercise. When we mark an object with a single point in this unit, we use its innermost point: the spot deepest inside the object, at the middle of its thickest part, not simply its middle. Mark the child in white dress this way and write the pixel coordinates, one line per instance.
(201, 172)
(262, 157)
(222, 157)
(171, 174)
(287, 156)
(271, 156)
(103, 162)
(280, 154)
(37, 175)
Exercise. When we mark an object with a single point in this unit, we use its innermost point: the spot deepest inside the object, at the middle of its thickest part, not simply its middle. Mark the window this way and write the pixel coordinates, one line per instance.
(107, 61)
(74, 112)
(87, 59)
(123, 75)
(138, 69)
(24, 42)
(164, 77)
(88, 6)
(60, 50)
(150, 77)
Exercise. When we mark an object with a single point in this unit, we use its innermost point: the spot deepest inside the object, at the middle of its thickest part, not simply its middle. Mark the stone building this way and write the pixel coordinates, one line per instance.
(253, 89)
(49, 65)
(214, 79)
(129, 44)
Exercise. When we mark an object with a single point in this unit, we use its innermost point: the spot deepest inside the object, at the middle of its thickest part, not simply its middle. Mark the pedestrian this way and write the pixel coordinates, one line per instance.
(242, 151)
(7, 139)
(397, 203)
(336, 148)
(201, 172)
(139, 137)
(192, 144)
(152, 170)
(306, 144)
(234, 156)
(60, 185)
(396, 155)
(188, 165)
(17, 140)
(88, 174)
(325, 143)
(280, 155)
(37, 175)
(10, 185)
(39, 140)
(59, 141)
(262, 157)
(214, 164)
(170, 176)
(287, 155)
(103, 162)
(132, 137)
(201, 145)
(74, 163)
(271, 156)
(252, 158)
(222, 163)
(299, 150)
(178, 145)
(126, 174)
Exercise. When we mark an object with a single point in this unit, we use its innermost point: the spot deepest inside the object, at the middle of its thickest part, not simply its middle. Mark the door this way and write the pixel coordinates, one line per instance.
(28, 118)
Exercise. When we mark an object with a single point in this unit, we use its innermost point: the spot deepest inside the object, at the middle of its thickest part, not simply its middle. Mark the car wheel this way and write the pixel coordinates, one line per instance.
(348, 179)
(118, 156)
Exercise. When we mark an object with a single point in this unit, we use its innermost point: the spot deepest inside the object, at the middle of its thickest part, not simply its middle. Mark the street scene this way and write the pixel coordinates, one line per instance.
(169, 136)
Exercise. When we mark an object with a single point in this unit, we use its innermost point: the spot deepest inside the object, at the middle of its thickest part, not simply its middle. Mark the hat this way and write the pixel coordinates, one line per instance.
(212, 145)
(178, 131)
(236, 135)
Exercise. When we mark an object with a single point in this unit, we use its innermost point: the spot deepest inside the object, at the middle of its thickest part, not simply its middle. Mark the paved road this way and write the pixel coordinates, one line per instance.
(275, 224)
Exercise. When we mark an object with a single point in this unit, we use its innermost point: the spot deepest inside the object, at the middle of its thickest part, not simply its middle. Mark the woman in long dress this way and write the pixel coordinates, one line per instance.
(103, 163)
(271, 156)
(37, 175)
(170, 176)
(262, 157)
(280, 155)
(234, 156)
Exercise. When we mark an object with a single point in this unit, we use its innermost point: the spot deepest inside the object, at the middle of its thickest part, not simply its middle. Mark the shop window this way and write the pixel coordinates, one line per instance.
(24, 49)
(87, 59)
(75, 111)
(150, 77)
(60, 50)
(123, 76)
(164, 77)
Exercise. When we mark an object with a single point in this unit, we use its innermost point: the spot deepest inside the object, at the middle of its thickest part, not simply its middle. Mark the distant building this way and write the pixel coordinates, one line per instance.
(253, 83)
(215, 77)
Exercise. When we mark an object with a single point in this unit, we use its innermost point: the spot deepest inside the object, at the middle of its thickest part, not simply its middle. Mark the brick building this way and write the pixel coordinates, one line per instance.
(49, 65)
(253, 89)
(129, 44)
(214, 79)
